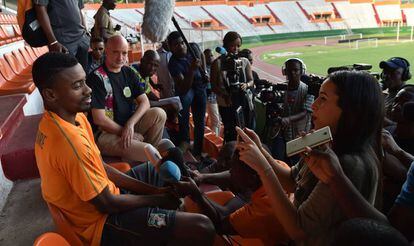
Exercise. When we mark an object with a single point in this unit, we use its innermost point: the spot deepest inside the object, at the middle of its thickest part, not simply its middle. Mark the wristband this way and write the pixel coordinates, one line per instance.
(53, 43)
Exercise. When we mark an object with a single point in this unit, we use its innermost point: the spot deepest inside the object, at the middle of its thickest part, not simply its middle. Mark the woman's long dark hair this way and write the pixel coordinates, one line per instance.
(362, 104)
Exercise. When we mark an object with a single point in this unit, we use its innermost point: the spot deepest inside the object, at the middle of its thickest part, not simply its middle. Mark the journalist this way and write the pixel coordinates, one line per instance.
(232, 81)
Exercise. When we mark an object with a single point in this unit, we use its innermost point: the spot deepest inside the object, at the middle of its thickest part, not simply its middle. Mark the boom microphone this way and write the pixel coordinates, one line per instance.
(157, 16)
(408, 111)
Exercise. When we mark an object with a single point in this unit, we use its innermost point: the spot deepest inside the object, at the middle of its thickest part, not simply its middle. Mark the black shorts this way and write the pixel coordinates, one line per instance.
(141, 226)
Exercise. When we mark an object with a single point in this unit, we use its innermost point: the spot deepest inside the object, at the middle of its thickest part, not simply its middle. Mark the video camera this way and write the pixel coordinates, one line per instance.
(314, 82)
(273, 96)
(232, 65)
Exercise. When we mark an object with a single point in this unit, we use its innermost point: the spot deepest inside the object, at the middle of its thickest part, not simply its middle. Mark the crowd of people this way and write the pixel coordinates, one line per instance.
(357, 189)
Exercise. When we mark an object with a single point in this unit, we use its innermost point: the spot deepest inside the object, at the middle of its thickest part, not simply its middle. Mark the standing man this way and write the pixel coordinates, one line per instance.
(103, 27)
(212, 106)
(395, 72)
(61, 21)
(163, 74)
(192, 91)
(297, 108)
(120, 109)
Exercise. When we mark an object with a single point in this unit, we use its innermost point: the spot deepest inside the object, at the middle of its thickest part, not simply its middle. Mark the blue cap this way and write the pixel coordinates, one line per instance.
(170, 172)
(394, 63)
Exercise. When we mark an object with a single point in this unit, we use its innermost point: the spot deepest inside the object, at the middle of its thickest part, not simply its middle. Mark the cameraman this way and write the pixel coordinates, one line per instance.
(229, 95)
(395, 72)
(296, 116)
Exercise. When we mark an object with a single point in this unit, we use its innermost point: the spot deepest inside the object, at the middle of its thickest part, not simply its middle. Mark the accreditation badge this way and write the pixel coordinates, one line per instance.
(127, 92)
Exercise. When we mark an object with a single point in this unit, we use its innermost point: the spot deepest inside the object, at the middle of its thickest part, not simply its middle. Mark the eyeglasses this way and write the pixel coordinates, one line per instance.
(95, 49)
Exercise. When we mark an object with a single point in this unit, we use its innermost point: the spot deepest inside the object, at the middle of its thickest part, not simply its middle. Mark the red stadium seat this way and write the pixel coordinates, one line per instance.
(31, 52)
(7, 71)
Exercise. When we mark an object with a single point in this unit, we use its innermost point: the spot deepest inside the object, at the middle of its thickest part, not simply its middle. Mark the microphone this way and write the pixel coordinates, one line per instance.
(221, 50)
(176, 155)
(157, 17)
(169, 172)
(408, 111)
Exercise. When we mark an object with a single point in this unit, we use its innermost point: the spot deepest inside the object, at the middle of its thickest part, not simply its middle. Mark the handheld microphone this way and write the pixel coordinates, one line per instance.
(169, 172)
(408, 111)
(221, 50)
(176, 155)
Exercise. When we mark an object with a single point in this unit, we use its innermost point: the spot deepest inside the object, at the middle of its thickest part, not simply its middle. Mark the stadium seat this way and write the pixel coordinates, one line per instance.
(17, 30)
(26, 56)
(212, 144)
(121, 166)
(18, 66)
(8, 87)
(10, 75)
(31, 52)
(219, 197)
(27, 65)
(50, 239)
(64, 227)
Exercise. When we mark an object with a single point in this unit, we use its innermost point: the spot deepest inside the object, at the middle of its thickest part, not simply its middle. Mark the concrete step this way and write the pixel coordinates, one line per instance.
(18, 158)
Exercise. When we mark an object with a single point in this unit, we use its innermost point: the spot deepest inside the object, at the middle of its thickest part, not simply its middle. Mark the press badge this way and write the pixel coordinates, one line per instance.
(127, 92)
(157, 220)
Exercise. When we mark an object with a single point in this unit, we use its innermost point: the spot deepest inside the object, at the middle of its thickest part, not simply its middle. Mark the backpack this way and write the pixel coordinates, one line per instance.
(31, 30)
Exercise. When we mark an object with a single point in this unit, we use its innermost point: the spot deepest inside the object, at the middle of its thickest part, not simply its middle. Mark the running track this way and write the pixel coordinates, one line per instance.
(270, 72)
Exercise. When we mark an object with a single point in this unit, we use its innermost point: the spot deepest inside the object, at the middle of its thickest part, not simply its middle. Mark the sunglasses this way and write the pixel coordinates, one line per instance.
(97, 49)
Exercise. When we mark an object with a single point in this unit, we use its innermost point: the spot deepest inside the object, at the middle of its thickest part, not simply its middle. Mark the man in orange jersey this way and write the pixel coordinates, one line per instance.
(103, 205)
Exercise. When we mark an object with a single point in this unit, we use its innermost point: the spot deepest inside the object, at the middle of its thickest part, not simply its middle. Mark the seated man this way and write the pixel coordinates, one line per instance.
(255, 219)
(103, 205)
(145, 70)
(96, 56)
(120, 109)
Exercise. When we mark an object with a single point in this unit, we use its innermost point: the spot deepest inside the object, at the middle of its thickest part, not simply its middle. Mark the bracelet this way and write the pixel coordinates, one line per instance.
(53, 43)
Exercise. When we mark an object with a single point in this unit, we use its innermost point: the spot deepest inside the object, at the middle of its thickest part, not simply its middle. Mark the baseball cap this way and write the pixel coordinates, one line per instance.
(394, 63)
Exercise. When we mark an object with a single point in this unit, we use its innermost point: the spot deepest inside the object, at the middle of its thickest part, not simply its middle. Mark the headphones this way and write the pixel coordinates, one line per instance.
(302, 65)
(406, 75)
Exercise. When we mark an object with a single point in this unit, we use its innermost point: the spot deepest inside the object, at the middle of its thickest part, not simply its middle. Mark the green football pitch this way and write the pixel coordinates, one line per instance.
(318, 58)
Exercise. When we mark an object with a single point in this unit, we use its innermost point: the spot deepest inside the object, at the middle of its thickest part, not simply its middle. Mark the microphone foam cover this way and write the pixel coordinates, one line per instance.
(157, 19)
(170, 172)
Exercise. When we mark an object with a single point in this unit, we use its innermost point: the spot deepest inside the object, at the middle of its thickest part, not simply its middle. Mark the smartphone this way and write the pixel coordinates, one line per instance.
(312, 140)
(240, 117)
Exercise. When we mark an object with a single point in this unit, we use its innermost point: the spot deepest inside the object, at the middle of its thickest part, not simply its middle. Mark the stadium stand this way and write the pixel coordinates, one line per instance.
(409, 15)
(389, 14)
(360, 15)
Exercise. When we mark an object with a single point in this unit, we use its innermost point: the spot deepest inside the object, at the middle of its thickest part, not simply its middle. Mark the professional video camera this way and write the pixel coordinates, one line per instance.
(314, 82)
(273, 96)
(232, 66)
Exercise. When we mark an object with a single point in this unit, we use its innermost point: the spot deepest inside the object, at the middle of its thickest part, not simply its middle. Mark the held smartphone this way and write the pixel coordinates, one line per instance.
(240, 117)
(312, 140)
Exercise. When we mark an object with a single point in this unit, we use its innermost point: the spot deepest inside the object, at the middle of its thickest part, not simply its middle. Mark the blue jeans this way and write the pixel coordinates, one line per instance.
(196, 99)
